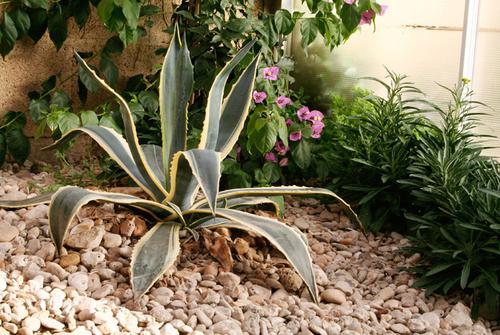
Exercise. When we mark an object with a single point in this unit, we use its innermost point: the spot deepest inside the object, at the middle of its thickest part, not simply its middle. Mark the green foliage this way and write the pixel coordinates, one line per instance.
(33, 18)
(172, 175)
(13, 142)
(367, 148)
(52, 109)
(455, 217)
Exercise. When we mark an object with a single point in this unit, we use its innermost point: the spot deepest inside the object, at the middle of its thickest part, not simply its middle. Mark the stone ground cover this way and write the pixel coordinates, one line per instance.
(363, 286)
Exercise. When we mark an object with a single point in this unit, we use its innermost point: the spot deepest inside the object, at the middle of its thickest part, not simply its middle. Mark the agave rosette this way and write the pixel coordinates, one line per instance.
(172, 174)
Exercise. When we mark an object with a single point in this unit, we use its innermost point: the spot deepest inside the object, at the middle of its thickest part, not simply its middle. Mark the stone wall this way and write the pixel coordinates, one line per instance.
(28, 65)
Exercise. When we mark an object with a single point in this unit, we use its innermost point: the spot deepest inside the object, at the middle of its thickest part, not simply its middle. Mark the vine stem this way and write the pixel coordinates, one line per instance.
(10, 122)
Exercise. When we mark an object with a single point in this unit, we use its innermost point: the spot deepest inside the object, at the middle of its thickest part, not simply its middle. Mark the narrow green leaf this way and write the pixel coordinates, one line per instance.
(464, 277)
(154, 254)
(176, 85)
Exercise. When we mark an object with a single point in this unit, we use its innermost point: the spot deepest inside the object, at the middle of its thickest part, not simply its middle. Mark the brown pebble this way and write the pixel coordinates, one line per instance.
(69, 259)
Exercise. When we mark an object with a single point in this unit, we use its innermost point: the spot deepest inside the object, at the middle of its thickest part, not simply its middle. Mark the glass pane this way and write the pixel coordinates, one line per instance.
(486, 81)
(420, 40)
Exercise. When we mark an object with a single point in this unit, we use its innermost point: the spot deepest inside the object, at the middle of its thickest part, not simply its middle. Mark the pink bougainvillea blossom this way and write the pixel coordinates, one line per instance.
(303, 113)
(315, 116)
(271, 157)
(283, 101)
(367, 17)
(295, 136)
(289, 122)
(383, 9)
(258, 97)
(271, 73)
(349, 2)
(280, 148)
(283, 162)
(317, 128)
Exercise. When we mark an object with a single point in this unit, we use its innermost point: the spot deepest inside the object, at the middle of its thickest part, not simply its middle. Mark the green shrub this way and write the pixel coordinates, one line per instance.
(13, 142)
(367, 148)
(456, 215)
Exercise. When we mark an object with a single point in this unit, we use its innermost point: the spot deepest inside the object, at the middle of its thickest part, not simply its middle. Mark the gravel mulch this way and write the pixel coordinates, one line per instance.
(362, 285)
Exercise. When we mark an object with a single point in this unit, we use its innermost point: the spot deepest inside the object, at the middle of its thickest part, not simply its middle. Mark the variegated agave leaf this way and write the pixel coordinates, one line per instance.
(153, 255)
(153, 184)
(190, 169)
(283, 190)
(115, 146)
(290, 242)
(37, 200)
(176, 86)
(213, 113)
(67, 201)
(245, 202)
(235, 109)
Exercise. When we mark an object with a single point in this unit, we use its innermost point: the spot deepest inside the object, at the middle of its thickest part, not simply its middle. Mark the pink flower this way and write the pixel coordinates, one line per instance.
(383, 9)
(283, 162)
(271, 73)
(280, 148)
(258, 97)
(367, 17)
(317, 128)
(271, 157)
(315, 116)
(289, 122)
(283, 101)
(296, 136)
(349, 2)
(303, 113)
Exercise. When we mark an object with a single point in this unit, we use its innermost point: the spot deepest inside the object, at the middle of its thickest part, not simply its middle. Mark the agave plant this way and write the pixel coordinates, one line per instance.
(172, 175)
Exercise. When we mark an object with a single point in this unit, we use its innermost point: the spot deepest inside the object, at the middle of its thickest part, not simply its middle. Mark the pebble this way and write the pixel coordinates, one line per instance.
(69, 259)
(79, 280)
(85, 235)
(333, 296)
(8, 232)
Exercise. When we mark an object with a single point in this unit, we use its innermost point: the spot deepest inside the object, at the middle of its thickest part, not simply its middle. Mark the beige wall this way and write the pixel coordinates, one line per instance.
(28, 65)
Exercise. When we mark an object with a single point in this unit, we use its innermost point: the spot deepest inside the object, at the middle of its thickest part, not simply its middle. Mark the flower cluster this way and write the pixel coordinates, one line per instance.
(279, 150)
(368, 15)
(301, 122)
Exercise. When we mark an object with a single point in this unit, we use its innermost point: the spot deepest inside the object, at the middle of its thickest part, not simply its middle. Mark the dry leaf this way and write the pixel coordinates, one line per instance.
(218, 247)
